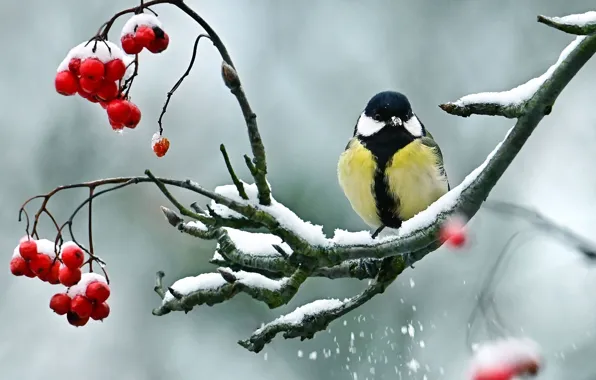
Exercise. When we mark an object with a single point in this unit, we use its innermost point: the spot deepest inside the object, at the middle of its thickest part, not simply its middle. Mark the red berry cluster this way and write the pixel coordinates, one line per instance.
(36, 258)
(97, 76)
(144, 31)
(84, 301)
(87, 292)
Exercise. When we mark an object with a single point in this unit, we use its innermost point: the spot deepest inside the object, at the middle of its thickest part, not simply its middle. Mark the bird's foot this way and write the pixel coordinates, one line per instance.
(409, 259)
(377, 232)
(369, 266)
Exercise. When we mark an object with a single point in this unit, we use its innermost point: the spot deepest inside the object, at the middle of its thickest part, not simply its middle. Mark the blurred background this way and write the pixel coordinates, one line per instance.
(308, 67)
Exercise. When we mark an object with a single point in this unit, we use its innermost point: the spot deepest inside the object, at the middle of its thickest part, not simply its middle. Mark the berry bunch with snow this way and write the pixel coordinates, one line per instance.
(36, 258)
(95, 70)
(84, 301)
(144, 31)
(86, 294)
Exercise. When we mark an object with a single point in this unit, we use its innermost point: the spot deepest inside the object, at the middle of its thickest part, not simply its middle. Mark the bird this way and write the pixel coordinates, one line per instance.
(392, 168)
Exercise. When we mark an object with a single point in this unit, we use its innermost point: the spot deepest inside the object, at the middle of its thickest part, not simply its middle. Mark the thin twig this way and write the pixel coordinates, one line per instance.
(239, 185)
(179, 82)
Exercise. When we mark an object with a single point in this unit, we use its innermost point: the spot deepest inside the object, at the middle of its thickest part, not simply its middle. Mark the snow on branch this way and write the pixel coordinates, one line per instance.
(580, 24)
(512, 103)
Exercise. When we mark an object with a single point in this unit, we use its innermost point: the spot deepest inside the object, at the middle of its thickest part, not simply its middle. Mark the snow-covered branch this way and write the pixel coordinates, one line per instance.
(292, 243)
(267, 251)
(580, 24)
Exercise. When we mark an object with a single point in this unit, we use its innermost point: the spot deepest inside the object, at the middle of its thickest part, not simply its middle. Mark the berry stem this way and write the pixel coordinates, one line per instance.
(90, 226)
(179, 82)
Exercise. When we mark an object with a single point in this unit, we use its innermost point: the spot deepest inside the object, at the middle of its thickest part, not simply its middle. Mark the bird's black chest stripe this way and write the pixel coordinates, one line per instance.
(383, 145)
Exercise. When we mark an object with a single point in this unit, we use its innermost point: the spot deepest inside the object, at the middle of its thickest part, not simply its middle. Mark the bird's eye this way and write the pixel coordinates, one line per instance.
(377, 117)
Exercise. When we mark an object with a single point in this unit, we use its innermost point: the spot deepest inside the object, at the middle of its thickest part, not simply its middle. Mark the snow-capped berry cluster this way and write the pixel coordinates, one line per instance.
(453, 232)
(160, 145)
(505, 359)
(86, 293)
(144, 31)
(83, 301)
(36, 258)
(95, 70)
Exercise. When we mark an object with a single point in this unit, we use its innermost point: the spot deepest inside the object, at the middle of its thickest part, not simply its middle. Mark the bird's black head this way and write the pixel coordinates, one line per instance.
(388, 104)
(388, 109)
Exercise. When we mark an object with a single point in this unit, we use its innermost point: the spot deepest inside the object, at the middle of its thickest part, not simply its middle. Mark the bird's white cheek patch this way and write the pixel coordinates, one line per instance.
(413, 126)
(367, 126)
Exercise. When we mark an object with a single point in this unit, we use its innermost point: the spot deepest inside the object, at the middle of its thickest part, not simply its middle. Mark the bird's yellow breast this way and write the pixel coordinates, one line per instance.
(356, 173)
(415, 179)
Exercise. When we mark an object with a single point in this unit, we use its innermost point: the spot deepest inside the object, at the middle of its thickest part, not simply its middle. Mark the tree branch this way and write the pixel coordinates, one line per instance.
(580, 24)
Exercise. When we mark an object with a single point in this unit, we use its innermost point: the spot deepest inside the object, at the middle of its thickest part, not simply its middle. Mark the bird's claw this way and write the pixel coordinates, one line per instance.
(369, 267)
(409, 260)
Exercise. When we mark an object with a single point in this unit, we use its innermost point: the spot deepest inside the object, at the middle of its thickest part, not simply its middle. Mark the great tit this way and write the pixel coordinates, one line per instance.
(392, 168)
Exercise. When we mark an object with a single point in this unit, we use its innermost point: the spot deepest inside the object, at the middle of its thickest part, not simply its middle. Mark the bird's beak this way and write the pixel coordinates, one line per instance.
(396, 121)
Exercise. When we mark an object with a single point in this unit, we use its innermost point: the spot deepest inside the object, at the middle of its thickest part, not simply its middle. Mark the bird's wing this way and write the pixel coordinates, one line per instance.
(430, 142)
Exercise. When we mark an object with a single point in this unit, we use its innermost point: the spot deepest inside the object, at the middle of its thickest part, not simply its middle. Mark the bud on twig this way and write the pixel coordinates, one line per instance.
(171, 216)
(230, 76)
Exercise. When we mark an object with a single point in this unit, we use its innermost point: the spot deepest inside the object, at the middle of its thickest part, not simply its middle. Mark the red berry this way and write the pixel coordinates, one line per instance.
(115, 70)
(75, 320)
(28, 249)
(72, 255)
(119, 110)
(66, 83)
(89, 85)
(29, 273)
(144, 35)
(92, 68)
(453, 233)
(69, 277)
(129, 45)
(161, 146)
(107, 91)
(98, 292)
(116, 126)
(18, 266)
(135, 117)
(100, 311)
(44, 276)
(494, 374)
(81, 306)
(60, 303)
(89, 97)
(74, 65)
(159, 44)
(54, 276)
(41, 264)
(103, 104)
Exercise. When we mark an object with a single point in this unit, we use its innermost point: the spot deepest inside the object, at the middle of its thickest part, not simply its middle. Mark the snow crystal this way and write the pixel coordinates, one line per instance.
(138, 20)
(522, 92)
(81, 287)
(581, 20)
(505, 351)
(101, 52)
(256, 280)
(196, 224)
(16, 252)
(313, 355)
(413, 365)
(256, 244)
(187, 285)
(310, 309)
